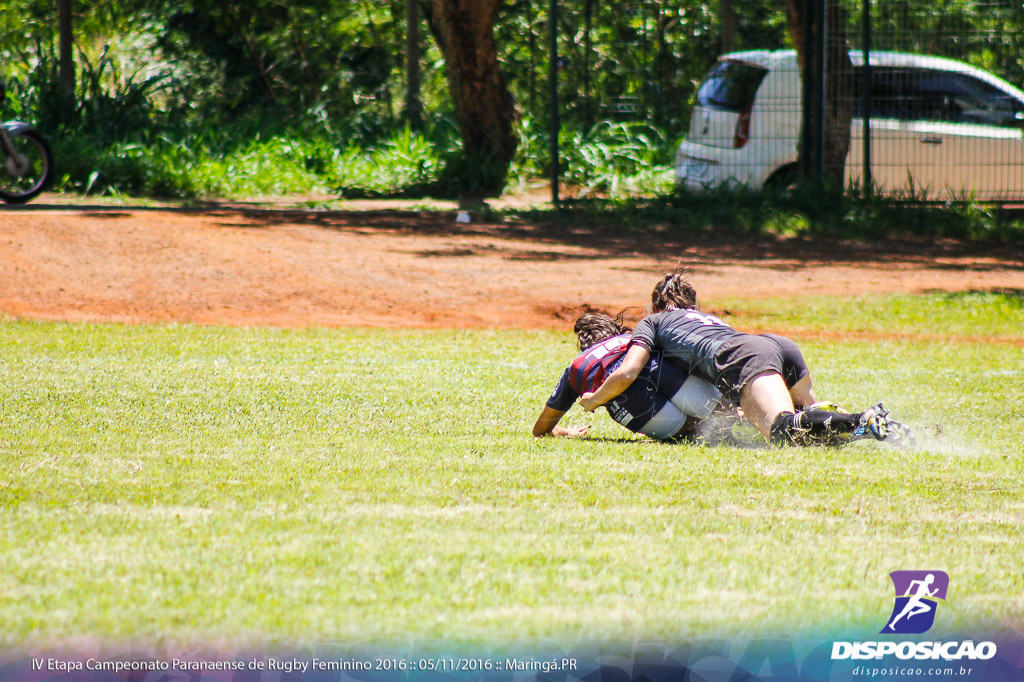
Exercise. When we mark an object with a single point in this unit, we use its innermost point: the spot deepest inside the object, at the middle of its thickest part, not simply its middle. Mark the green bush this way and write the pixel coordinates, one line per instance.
(805, 212)
(617, 159)
(114, 137)
(407, 162)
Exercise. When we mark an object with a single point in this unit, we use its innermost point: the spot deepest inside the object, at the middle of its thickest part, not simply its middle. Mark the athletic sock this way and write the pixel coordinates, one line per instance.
(783, 431)
(813, 427)
(826, 428)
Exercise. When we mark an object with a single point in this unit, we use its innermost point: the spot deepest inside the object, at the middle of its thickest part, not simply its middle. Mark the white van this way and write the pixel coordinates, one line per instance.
(940, 129)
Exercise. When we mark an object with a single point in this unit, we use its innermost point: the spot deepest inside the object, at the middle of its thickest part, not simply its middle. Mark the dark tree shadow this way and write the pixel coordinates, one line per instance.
(654, 231)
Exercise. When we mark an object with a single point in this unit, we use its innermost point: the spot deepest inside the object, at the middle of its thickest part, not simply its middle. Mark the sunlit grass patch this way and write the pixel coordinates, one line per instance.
(330, 484)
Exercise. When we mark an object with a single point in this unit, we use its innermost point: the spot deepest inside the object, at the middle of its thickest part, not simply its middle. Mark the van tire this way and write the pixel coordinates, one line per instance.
(784, 178)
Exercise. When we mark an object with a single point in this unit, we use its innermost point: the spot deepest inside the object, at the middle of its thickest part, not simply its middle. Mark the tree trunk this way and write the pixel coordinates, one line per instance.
(727, 21)
(838, 82)
(464, 30)
(66, 63)
(413, 103)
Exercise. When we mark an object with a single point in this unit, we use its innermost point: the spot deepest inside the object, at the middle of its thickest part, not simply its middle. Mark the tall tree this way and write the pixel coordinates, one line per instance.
(66, 45)
(838, 80)
(464, 30)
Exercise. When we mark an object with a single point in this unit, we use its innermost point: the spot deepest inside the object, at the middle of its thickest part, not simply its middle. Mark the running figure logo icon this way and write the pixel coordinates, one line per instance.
(917, 595)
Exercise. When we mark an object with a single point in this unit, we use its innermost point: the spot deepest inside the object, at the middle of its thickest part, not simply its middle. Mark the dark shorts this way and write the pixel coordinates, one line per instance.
(794, 367)
(742, 359)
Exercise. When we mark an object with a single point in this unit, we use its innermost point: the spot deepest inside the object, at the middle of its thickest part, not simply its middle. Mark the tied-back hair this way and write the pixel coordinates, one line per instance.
(672, 292)
(593, 328)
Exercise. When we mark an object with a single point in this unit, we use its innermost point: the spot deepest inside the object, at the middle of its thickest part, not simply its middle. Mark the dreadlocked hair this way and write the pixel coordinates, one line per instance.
(672, 292)
(593, 328)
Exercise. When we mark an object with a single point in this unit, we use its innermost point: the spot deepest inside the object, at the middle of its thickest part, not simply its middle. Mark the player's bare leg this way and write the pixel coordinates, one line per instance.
(802, 393)
(763, 399)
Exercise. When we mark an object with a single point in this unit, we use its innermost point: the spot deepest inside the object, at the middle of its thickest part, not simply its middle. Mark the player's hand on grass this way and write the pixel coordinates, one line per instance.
(568, 431)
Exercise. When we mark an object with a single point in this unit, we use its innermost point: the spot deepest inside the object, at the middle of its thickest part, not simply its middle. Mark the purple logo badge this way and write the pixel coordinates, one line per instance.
(917, 597)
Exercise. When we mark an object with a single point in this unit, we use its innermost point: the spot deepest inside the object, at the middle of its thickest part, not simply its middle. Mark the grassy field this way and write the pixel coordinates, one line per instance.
(264, 485)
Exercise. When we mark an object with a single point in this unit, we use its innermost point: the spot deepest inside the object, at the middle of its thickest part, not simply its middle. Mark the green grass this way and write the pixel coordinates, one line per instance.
(957, 314)
(188, 483)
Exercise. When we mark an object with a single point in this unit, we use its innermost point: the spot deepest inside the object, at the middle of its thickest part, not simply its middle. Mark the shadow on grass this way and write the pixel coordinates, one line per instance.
(1012, 296)
(788, 230)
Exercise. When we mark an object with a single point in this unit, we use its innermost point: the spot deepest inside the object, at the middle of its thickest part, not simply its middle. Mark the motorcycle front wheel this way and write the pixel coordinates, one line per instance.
(26, 174)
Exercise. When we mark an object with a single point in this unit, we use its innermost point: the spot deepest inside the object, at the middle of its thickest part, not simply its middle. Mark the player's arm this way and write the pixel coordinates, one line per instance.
(547, 425)
(619, 380)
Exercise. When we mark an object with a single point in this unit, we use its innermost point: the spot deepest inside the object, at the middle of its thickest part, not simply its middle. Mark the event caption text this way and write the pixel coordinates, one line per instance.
(300, 665)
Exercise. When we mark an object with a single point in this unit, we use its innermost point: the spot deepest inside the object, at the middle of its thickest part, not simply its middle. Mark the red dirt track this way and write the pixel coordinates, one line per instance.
(253, 264)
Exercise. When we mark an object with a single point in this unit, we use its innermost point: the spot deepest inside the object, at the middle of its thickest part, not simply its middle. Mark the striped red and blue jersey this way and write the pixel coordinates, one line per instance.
(587, 371)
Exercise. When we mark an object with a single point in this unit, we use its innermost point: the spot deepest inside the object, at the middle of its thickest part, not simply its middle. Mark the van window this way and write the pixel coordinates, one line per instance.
(913, 94)
(731, 86)
(962, 98)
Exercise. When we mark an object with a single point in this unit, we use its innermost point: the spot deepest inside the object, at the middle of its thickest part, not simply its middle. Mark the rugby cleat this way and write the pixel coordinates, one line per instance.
(876, 423)
(743, 434)
(900, 435)
(826, 406)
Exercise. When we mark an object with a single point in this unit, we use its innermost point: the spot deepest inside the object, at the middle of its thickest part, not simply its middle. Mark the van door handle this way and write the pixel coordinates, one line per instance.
(931, 139)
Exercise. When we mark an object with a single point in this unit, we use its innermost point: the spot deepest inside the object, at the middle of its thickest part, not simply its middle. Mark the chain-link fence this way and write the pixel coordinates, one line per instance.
(913, 99)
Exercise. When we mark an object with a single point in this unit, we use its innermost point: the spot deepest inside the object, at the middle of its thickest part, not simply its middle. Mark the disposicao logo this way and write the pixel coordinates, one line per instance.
(917, 597)
(918, 594)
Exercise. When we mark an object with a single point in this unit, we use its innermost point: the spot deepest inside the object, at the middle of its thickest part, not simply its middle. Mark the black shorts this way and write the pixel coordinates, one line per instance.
(794, 367)
(742, 359)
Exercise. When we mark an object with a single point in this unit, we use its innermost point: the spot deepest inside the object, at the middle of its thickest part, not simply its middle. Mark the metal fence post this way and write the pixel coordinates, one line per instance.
(807, 95)
(553, 77)
(820, 93)
(865, 23)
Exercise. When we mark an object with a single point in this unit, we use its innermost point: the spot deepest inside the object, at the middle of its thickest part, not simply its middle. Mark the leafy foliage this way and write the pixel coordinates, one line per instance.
(406, 163)
(171, 94)
(618, 159)
(805, 212)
